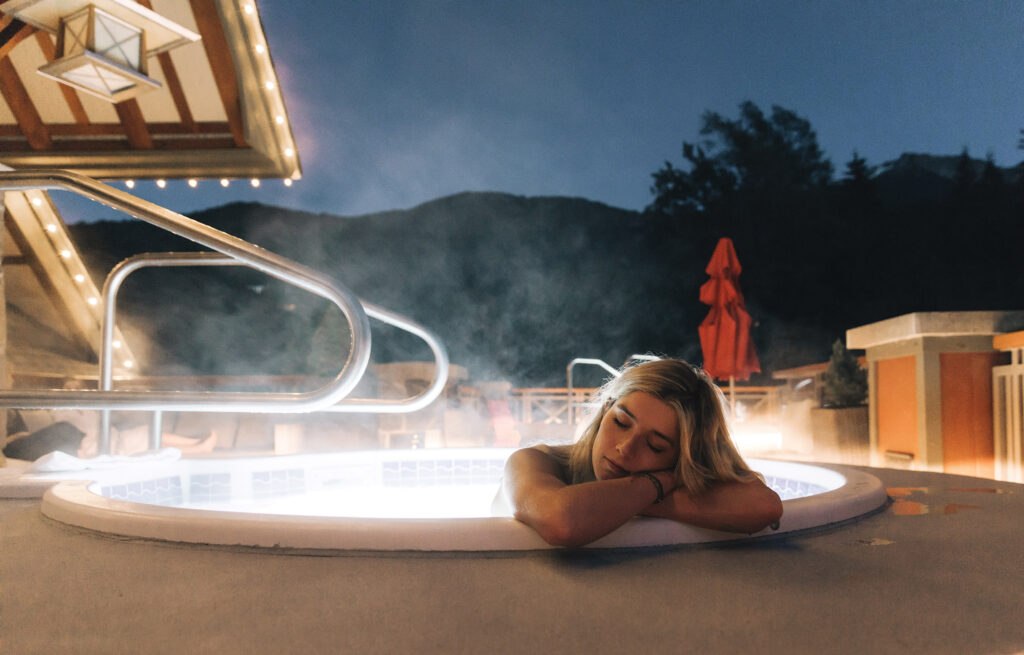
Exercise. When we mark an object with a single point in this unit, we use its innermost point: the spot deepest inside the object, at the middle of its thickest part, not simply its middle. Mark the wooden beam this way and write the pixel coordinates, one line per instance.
(110, 146)
(70, 95)
(173, 82)
(92, 130)
(22, 241)
(134, 124)
(219, 54)
(14, 260)
(29, 120)
(177, 91)
(12, 33)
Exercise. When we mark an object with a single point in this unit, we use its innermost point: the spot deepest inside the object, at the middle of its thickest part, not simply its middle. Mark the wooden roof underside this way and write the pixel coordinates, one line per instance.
(214, 115)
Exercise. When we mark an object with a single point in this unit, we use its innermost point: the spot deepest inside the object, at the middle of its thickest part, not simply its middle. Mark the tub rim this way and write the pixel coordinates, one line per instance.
(72, 502)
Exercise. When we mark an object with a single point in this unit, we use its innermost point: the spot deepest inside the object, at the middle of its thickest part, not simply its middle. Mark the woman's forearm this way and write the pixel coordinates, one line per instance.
(577, 514)
(746, 507)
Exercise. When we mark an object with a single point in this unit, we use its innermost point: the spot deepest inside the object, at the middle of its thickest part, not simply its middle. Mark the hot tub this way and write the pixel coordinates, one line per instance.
(392, 500)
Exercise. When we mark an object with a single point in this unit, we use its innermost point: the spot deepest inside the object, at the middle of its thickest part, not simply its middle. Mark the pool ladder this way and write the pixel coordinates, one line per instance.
(230, 251)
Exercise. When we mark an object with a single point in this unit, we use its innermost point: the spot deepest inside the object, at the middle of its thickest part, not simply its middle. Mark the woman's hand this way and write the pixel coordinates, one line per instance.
(746, 507)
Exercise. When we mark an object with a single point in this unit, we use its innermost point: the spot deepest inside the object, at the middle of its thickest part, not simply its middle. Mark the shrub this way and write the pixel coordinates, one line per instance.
(845, 382)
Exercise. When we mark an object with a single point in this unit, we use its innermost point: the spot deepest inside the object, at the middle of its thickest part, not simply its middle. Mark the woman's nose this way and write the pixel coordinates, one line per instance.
(626, 446)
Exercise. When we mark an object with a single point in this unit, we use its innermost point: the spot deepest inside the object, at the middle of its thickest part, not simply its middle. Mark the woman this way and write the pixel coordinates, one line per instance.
(658, 446)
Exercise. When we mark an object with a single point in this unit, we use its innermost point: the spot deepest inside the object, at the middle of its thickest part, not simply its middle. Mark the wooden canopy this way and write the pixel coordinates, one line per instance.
(217, 113)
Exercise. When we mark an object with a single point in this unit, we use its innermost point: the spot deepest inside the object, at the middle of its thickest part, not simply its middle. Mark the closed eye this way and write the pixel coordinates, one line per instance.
(655, 448)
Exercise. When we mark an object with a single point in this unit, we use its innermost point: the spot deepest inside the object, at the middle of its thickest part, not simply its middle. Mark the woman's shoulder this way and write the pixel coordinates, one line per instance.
(560, 453)
(555, 459)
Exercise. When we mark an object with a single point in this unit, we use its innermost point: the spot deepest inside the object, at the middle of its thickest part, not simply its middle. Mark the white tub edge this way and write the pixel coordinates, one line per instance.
(72, 503)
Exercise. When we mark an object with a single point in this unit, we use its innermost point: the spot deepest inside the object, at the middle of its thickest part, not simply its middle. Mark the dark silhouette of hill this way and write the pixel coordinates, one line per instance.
(517, 286)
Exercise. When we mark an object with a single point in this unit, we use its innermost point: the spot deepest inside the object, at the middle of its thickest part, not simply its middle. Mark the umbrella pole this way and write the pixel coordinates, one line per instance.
(732, 398)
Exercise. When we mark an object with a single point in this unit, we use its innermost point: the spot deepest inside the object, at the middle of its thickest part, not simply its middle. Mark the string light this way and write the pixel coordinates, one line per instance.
(260, 49)
(79, 278)
(193, 182)
(255, 183)
(161, 183)
(51, 228)
(249, 9)
(116, 344)
(37, 202)
(270, 85)
(93, 301)
(224, 182)
(287, 181)
(128, 363)
(279, 119)
(66, 254)
(130, 184)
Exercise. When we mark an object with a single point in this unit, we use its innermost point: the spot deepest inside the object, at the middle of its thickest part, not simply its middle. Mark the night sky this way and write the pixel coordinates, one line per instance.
(395, 103)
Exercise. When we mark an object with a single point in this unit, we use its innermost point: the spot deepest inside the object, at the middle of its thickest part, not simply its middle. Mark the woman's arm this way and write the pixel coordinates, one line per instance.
(728, 506)
(573, 515)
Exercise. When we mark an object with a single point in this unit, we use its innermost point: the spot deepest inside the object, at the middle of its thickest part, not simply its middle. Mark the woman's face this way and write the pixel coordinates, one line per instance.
(638, 433)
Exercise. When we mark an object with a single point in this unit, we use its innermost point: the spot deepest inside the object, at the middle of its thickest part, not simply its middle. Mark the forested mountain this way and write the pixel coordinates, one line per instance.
(518, 286)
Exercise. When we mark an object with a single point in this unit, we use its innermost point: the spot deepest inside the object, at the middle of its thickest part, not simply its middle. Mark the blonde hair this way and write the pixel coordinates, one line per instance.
(706, 451)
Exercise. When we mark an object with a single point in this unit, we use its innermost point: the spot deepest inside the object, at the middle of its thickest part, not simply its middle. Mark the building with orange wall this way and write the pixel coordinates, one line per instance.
(930, 388)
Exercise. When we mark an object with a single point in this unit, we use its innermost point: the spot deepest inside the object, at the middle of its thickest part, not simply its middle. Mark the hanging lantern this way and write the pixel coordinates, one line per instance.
(102, 45)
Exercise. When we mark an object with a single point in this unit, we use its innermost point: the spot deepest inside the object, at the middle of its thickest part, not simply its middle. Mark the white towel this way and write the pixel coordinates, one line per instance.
(58, 461)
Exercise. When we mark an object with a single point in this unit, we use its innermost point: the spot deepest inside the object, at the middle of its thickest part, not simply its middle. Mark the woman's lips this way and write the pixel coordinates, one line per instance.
(613, 468)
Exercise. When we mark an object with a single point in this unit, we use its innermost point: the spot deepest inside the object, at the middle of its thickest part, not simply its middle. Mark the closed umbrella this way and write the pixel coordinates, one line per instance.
(725, 332)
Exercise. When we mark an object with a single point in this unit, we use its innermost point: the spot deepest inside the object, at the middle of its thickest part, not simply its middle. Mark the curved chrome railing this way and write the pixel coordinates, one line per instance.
(175, 259)
(253, 256)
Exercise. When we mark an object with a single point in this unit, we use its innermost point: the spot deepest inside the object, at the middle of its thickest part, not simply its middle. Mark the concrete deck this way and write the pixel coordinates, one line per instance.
(941, 570)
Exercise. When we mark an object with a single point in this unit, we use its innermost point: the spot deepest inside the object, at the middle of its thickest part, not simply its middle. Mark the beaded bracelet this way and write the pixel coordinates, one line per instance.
(657, 485)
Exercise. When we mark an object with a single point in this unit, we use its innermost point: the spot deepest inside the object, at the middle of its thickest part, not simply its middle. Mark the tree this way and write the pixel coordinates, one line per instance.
(963, 179)
(845, 383)
(754, 159)
(858, 186)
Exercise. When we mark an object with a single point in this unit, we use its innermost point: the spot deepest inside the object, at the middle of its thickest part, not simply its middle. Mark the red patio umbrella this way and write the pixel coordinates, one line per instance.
(725, 332)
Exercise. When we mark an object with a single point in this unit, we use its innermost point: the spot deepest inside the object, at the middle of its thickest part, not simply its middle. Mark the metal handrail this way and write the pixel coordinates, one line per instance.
(568, 378)
(119, 273)
(603, 364)
(172, 259)
(273, 265)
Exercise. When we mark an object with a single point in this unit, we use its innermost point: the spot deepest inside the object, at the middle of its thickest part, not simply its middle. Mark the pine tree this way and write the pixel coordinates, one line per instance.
(845, 382)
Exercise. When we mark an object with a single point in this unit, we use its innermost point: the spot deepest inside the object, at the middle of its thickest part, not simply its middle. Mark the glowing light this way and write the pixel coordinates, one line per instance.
(193, 182)
(65, 253)
(260, 49)
(128, 363)
(79, 278)
(754, 441)
(287, 181)
(51, 228)
(224, 182)
(288, 152)
(161, 183)
(270, 86)
(130, 184)
(249, 9)
(116, 344)
(255, 183)
(37, 202)
(93, 301)
(279, 119)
